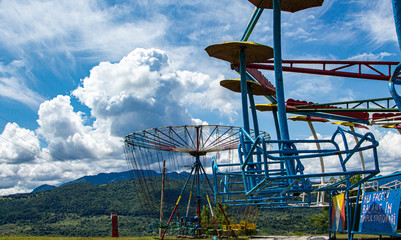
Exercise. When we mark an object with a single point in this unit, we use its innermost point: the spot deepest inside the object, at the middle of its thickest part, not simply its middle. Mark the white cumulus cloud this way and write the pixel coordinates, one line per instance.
(142, 91)
(18, 145)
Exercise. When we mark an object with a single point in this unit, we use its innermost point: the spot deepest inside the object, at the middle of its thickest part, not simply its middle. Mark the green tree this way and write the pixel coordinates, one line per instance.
(321, 221)
(206, 217)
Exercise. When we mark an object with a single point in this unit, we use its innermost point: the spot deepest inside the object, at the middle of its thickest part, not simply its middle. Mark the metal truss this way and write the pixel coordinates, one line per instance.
(372, 70)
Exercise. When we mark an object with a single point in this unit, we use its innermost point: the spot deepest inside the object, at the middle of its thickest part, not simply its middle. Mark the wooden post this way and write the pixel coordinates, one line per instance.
(114, 231)
(162, 198)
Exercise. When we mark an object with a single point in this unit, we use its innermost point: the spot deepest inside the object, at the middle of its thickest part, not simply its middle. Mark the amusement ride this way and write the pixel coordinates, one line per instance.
(276, 173)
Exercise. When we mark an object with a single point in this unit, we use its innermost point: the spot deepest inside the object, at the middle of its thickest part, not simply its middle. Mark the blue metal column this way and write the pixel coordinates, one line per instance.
(349, 223)
(215, 169)
(244, 93)
(252, 23)
(397, 19)
(256, 129)
(282, 116)
(197, 175)
(330, 213)
(198, 194)
(393, 79)
(253, 111)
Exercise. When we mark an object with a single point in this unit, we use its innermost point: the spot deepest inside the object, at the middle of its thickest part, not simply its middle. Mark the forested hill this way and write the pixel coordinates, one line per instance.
(103, 178)
(79, 209)
(83, 209)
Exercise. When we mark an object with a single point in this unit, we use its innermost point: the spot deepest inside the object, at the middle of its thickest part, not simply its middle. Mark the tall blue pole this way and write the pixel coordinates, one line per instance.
(349, 223)
(397, 19)
(393, 79)
(278, 72)
(244, 93)
(256, 129)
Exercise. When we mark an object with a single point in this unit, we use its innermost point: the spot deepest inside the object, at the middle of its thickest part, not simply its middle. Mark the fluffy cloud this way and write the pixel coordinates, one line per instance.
(142, 91)
(389, 151)
(210, 95)
(69, 137)
(136, 93)
(18, 145)
(71, 149)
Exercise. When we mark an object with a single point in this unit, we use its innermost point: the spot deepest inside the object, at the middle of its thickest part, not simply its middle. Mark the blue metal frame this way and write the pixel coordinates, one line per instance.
(269, 180)
(274, 178)
(278, 175)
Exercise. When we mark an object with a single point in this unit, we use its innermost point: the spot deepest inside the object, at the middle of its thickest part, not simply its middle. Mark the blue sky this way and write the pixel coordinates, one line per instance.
(77, 76)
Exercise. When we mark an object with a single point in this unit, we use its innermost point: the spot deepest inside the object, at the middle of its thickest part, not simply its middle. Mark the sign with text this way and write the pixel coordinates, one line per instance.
(379, 212)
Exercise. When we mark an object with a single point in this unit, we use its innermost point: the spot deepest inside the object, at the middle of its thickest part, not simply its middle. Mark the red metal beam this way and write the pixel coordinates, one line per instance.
(323, 67)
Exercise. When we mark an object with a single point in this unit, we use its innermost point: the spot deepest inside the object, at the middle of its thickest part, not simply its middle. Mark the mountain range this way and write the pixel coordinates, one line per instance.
(103, 178)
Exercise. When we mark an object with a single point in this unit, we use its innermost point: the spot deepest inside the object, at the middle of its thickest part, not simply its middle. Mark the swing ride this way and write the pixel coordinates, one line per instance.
(249, 168)
(183, 147)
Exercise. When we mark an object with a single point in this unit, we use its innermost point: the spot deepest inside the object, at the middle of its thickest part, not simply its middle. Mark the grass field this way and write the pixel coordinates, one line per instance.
(74, 238)
(92, 238)
(339, 236)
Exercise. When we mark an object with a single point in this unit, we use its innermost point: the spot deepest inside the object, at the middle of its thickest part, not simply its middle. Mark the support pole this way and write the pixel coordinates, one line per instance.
(176, 205)
(162, 197)
(278, 71)
(198, 196)
(208, 201)
(349, 223)
(355, 211)
(256, 129)
(211, 212)
(189, 203)
(114, 231)
(252, 23)
(320, 158)
(228, 220)
(244, 93)
(330, 214)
